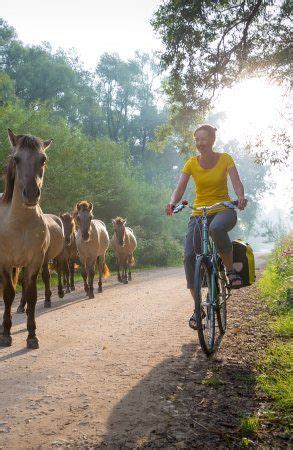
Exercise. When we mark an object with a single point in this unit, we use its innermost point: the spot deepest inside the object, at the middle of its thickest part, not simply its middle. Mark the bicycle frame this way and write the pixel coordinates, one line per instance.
(209, 250)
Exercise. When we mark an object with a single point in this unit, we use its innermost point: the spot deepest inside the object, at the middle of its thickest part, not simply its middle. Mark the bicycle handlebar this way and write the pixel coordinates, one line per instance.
(227, 204)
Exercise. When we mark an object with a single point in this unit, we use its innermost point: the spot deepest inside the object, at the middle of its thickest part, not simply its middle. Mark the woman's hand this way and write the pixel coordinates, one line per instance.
(169, 209)
(241, 203)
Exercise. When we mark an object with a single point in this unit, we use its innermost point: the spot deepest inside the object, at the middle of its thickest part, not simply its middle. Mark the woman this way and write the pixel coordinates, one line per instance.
(209, 171)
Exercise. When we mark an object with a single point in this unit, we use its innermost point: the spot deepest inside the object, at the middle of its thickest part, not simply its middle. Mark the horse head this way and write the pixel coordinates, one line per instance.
(26, 167)
(83, 216)
(119, 228)
(69, 227)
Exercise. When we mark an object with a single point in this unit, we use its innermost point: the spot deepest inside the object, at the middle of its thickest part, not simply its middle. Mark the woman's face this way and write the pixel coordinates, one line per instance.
(204, 141)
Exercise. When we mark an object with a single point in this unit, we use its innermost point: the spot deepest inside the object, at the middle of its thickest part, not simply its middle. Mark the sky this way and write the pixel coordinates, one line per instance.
(91, 26)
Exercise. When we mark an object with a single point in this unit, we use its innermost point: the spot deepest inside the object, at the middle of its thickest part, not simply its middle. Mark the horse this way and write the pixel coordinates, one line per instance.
(24, 232)
(70, 250)
(92, 241)
(54, 252)
(123, 243)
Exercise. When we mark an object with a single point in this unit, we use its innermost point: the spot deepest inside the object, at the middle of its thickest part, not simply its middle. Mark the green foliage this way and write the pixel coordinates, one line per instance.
(209, 45)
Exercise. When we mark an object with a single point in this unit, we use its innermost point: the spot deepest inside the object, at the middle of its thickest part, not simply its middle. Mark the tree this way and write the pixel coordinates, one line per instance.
(212, 44)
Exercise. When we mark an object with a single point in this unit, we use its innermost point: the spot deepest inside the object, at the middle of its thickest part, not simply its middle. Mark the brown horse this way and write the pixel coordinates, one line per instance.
(92, 241)
(123, 243)
(55, 251)
(70, 250)
(24, 233)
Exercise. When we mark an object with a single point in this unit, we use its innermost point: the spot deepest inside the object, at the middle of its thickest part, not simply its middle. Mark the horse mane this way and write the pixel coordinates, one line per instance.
(30, 142)
(119, 220)
(9, 177)
(83, 205)
(25, 141)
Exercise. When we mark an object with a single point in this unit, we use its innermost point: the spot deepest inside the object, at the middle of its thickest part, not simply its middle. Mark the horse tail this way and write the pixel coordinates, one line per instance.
(106, 271)
(132, 260)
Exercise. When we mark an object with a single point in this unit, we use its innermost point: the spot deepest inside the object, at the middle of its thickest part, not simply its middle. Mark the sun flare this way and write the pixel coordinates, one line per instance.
(253, 107)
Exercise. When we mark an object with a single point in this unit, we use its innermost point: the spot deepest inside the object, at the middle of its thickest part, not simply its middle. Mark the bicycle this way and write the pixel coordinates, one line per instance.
(211, 287)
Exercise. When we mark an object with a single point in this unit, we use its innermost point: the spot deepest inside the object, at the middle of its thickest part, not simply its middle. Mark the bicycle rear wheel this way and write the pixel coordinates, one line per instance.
(204, 305)
(222, 295)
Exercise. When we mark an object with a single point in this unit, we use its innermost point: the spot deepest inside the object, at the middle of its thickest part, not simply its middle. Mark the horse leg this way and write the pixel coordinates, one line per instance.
(8, 297)
(84, 276)
(101, 262)
(59, 266)
(129, 266)
(66, 270)
(125, 280)
(31, 293)
(46, 279)
(119, 277)
(22, 302)
(91, 281)
(71, 267)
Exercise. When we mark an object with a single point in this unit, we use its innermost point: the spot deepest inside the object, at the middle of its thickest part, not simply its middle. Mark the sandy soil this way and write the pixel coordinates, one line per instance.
(124, 370)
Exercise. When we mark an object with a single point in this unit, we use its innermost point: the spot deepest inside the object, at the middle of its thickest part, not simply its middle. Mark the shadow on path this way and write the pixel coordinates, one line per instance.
(184, 402)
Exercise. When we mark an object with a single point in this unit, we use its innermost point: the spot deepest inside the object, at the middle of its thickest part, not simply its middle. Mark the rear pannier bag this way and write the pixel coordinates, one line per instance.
(243, 261)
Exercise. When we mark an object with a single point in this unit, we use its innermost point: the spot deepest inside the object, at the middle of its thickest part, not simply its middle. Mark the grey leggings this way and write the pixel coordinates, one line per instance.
(219, 225)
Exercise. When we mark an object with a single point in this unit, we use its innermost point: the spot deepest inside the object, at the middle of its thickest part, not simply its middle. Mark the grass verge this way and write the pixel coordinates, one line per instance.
(275, 368)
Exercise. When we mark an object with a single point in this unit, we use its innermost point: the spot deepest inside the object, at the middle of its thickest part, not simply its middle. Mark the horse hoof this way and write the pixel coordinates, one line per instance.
(32, 343)
(92, 295)
(5, 341)
(47, 304)
(20, 309)
(61, 294)
(125, 281)
(72, 288)
(67, 290)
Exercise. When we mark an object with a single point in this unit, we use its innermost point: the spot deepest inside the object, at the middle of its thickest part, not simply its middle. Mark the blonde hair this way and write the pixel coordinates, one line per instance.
(206, 127)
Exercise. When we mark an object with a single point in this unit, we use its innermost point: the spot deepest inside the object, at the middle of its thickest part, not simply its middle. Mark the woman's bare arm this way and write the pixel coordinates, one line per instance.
(237, 186)
(177, 193)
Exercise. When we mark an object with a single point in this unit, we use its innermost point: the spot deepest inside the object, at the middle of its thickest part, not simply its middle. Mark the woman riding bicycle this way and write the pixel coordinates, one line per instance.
(209, 171)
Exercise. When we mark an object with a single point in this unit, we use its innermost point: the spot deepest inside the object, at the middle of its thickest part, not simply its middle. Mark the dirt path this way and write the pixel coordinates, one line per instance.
(125, 371)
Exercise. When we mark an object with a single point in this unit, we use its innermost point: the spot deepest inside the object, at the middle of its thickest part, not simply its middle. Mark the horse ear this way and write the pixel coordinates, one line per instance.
(113, 221)
(12, 138)
(91, 206)
(78, 206)
(124, 221)
(47, 143)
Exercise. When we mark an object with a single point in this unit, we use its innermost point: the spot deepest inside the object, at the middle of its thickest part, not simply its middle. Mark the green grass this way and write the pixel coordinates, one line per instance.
(212, 381)
(246, 378)
(275, 367)
(250, 425)
(276, 376)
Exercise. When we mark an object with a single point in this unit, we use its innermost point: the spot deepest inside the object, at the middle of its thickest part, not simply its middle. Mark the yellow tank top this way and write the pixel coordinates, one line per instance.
(210, 184)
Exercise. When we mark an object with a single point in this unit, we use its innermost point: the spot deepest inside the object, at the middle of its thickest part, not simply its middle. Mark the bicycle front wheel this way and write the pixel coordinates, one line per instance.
(204, 305)
(222, 295)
